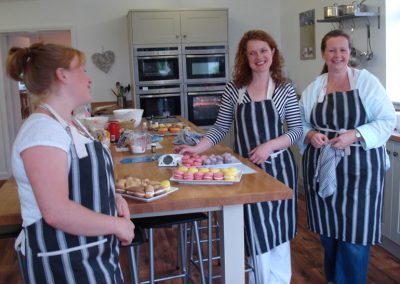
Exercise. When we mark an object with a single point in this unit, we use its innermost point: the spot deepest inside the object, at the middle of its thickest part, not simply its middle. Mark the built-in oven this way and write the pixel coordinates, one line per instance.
(160, 100)
(205, 63)
(202, 102)
(157, 65)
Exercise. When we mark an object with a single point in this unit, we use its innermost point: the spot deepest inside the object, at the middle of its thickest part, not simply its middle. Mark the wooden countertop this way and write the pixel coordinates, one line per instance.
(252, 187)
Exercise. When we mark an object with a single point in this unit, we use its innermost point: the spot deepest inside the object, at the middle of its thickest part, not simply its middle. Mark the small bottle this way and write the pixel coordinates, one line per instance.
(113, 128)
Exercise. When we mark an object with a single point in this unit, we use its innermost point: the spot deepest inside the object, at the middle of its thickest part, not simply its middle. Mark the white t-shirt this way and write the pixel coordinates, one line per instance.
(38, 130)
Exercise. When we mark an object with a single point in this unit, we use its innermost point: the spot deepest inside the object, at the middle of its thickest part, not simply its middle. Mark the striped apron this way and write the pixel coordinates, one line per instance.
(54, 256)
(273, 222)
(354, 212)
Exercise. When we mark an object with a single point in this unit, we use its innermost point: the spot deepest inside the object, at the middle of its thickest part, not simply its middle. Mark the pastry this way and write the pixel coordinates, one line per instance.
(188, 176)
(178, 174)
(218, 176)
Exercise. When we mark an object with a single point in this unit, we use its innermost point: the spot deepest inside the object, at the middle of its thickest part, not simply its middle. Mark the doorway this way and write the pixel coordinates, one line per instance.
(15, 103)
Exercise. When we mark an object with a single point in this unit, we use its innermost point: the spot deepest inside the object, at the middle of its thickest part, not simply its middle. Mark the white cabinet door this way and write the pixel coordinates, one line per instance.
(387, 194)
(391, 207)
(204, 26)
(395, 224)
(155, 27)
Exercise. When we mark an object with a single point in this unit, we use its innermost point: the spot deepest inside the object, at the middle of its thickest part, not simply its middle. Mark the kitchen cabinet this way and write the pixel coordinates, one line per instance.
(391, 202)
(178, 27)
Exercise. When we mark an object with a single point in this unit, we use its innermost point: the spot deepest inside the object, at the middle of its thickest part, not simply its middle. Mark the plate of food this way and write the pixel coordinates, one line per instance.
(143, 189)
(205, 175)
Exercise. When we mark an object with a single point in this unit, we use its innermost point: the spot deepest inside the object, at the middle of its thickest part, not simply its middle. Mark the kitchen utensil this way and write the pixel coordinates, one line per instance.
(169, 160)
(129, 114)
(331, 11)
(138, 141)
(355, 57)
(142, 159)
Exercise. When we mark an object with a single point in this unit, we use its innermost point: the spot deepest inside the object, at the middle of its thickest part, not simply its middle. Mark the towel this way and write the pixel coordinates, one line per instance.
(325, 172)
(187, 137)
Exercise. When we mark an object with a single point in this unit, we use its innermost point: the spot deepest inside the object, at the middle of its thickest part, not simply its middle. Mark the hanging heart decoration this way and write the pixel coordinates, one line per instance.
(104, 60)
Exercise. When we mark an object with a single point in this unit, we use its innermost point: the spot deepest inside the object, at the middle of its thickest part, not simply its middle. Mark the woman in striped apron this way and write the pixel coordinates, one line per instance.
(347, 113)
(258, 101)
(72, 219)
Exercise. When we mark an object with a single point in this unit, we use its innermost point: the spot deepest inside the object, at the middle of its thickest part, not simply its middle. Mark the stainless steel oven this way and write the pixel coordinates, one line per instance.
(160, 100)
(157, 65)
(203, 101)
(205, 63)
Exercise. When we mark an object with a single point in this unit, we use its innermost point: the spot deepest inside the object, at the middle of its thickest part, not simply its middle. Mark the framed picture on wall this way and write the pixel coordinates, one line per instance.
(307, 35)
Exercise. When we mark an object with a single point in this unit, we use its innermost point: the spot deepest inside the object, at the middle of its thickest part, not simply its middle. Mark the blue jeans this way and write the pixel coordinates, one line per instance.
(345, 262)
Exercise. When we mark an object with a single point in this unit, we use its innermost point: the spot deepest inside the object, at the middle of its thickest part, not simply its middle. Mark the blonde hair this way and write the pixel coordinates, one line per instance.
(36, 65)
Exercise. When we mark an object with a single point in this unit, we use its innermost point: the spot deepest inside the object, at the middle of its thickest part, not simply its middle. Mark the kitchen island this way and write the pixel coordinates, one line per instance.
(229, 199)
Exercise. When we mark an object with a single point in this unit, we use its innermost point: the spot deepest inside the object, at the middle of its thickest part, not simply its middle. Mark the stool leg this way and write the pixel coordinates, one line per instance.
(253, 248)
(132, 265)
(151, 255)
(196, 231)
(209, 246)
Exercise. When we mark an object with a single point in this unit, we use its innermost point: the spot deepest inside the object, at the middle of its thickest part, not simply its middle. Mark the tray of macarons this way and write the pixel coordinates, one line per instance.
(143, 189)
(206, 175)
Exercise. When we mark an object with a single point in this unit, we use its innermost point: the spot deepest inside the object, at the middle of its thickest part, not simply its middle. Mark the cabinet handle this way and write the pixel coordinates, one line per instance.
(184, 36)
(395, 154)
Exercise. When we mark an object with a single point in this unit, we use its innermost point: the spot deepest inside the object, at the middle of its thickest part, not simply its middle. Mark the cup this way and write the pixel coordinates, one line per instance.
(138, 141)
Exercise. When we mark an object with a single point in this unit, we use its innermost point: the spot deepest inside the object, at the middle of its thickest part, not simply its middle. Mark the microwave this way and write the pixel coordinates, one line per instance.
(205, 63)
(157, 65)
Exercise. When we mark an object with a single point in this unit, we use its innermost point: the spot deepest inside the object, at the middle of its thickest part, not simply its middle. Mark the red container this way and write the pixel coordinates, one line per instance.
(113, 128)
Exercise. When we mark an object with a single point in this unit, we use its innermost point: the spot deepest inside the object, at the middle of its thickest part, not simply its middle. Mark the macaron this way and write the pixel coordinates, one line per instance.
(229, 177)
(178, 174)
(188, 176)
(165, 184)
(183, 169)
(218, 176)
(198, 176)
(193, 170)
(215, 170)
(204, 170)
(208, 176)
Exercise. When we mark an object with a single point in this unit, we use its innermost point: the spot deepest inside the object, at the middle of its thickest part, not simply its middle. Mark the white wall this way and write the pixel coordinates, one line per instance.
(303, 72)
(101, 25)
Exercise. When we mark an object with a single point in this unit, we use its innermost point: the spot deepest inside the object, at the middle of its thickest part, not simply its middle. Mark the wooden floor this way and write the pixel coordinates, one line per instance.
(307, 258)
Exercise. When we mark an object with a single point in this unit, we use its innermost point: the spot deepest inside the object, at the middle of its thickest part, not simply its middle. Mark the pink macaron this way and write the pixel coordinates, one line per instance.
(198, 176)
(178, 174)
(218, 176)
(188, 176)
(208, 176)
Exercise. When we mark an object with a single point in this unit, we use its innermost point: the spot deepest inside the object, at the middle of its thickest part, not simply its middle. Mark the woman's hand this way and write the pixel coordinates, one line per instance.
(122, 207)
(318, 140)
(125, 231)
(260, 154)
(344, 140)
(185, 149)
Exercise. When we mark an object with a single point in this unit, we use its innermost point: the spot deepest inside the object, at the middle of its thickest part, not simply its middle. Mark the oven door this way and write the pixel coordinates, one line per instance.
(165, 105)
(205, 67)
(203, 107)
(161, 69)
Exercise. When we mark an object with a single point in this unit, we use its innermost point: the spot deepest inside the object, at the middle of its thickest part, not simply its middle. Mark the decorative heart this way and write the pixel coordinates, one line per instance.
(104, 60)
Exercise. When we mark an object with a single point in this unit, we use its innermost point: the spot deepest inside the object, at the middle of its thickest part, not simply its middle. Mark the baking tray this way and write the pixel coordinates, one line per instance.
(172, 189)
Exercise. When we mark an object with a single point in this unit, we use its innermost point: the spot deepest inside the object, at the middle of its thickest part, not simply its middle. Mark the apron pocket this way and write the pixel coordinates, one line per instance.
(64, 251)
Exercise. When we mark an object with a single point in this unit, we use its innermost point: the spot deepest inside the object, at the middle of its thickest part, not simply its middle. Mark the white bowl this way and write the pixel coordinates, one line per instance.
(129, 114)
(95, 122)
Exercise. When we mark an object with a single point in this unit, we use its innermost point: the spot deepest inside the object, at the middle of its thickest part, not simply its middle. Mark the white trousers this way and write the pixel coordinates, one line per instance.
(273, 266)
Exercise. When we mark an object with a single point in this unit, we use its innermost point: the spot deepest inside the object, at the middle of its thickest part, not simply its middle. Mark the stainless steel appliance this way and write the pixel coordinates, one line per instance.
(203, 101)
(160, 100)
(205, 63)
(157, 65)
